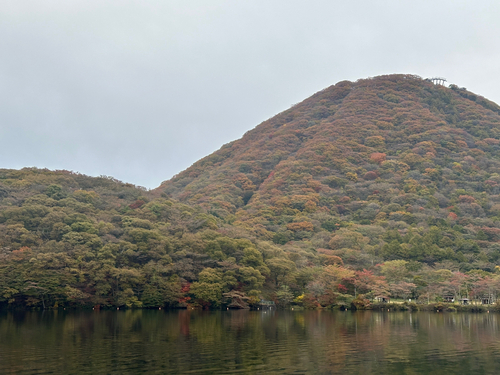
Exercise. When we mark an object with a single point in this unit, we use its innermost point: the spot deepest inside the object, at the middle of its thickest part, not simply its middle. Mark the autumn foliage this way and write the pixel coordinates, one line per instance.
(383, 186)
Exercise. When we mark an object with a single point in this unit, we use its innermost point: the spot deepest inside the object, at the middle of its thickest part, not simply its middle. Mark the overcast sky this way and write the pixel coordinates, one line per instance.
(140, 90)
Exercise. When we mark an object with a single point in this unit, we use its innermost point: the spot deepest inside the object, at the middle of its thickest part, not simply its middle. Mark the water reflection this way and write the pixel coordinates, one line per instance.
(143, 341)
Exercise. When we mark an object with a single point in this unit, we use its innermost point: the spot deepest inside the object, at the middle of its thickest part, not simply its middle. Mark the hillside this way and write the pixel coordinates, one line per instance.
(389, 156)
(67, 239)
(384, 186)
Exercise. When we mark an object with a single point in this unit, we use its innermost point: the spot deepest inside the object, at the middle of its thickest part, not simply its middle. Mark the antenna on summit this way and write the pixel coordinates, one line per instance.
(437, 80)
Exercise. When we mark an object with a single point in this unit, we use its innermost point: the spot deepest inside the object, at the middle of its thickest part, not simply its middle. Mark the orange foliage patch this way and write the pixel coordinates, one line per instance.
(302, 226)
(466, 199)
(378, 157)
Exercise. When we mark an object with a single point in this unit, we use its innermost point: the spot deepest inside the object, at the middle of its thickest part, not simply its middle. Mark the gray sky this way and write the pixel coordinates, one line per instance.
(140, 90)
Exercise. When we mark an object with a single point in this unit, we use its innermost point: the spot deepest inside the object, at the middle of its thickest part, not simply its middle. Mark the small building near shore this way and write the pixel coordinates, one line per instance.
(383, 299)
(448, 299)
(464, 301)
(267, 304)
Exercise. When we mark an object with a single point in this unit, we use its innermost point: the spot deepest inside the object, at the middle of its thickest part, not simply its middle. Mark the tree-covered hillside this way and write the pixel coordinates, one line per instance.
(393, 162)
(71, 240)
(385, 186)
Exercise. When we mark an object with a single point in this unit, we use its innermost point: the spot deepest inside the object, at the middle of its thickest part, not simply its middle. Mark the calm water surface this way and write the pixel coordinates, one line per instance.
(193, 342)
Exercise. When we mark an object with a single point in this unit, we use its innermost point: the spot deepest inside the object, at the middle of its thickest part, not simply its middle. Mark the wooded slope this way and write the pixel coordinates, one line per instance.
(387, 185)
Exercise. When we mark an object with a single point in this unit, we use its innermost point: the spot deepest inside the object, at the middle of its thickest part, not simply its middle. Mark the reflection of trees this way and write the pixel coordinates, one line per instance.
(279, 341)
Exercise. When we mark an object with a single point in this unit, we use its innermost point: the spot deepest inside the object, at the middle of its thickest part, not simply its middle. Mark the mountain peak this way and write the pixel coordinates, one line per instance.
(339, 136)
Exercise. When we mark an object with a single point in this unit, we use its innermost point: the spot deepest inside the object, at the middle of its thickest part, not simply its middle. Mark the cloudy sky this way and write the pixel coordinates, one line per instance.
(139, 90)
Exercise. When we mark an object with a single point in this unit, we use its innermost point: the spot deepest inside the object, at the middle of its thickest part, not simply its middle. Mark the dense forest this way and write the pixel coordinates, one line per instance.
(388, 186)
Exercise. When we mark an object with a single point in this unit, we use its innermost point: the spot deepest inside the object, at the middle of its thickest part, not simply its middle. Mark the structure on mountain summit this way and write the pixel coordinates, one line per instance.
(437, 80)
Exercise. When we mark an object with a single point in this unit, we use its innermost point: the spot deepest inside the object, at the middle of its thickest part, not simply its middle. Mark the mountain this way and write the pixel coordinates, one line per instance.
(388, 153)
(384, 186)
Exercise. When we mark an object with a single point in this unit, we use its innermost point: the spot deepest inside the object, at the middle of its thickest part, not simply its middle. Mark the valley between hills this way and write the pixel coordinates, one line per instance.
(387, 187)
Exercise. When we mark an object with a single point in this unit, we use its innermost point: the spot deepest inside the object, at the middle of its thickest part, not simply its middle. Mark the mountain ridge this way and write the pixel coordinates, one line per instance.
(358, 122)
(383, 186)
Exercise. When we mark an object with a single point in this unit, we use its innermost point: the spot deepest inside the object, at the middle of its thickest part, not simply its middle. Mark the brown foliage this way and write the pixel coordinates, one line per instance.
(302, 226)
(370, 176)
(466, 199)
(378, 157)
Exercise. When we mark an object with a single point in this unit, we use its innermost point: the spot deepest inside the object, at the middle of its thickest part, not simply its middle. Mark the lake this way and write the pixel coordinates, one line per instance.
(228, 342)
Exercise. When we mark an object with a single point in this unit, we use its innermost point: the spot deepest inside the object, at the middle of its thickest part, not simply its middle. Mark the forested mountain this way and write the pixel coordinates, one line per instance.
(390, 156)
(384, 186)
